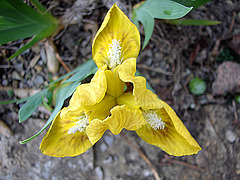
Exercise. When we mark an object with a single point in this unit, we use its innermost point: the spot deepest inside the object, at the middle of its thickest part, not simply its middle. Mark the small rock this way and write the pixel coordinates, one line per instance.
(19, 67)
(108, 160)
(5, 130)
(16, 76)
(99, 172)
(103, 147)
(108, 139)
(38, 80)
(5, 82)
(230, 136)
(147, 172)
(228, 79)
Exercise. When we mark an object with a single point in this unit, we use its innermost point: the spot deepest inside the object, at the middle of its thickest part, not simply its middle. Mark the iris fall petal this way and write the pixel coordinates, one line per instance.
(174, 139)
(59, 143)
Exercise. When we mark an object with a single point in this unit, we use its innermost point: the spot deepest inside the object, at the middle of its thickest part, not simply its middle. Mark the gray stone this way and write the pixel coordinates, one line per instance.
(99, 173)
(103, 147)
(108, 140)
(230, 136)
(38, 80)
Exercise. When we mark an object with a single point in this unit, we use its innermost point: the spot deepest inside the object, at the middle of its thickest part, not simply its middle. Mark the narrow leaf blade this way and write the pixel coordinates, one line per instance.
(63, 94)
(29, 107)
(195, 4)
(147, 21)
(192, 22)
(41, 35)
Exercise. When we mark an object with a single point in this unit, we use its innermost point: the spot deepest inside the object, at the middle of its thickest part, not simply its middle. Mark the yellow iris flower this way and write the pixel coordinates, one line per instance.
(116, 99)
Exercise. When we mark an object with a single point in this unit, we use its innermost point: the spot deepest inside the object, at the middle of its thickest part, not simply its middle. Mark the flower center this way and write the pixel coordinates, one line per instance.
(114, 53)
(83, 122)
(153, 119)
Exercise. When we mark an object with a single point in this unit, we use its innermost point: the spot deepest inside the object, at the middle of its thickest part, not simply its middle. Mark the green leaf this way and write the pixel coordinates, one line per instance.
(197, 86)
(160, 9)
(84, 70)
(192, 22)
(192, 3)
(16, 101)
(39, 6)
(41, 35)
(19, 21)
(29, 107)
(147, 21)
(237, 99)
(63, 94)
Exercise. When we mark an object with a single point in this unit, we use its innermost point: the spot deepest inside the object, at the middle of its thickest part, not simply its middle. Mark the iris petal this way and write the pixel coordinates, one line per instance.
(90, 93)
(175, 139)
(121, 117)
(59, 143)
(144, 97)
(116, 26)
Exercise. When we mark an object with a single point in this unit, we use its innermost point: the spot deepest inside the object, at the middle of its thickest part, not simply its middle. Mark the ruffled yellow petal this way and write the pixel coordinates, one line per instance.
(128, 99)
(59, 143)
(90, 93)
(115, 27)
(115, 85)
(121, 117)
(102, 109)
(175, 139)
(144, 97)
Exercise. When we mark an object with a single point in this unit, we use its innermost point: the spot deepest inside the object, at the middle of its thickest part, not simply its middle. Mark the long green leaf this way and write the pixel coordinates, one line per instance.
(192, 3)
(161, 9)
(147, 21)
(85, 70)
(63, 94)
(41, 35)
(29, 107)
(19, 21)
(192, 22)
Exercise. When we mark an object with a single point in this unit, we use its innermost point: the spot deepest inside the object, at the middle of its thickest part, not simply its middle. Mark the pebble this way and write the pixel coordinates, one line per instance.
(230, 136)
(99, 172)
(16, 76)
(108, 160)
(103, 147)
(108, 140)
(38, 80)
(5, 130)
(19, 67)
(147, 172)
(5, 82)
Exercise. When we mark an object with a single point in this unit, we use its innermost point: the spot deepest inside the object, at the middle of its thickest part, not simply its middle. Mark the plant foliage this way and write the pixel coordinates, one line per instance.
(19, 21)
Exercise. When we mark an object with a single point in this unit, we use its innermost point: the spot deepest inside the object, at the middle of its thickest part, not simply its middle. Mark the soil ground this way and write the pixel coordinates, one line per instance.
(167, 63)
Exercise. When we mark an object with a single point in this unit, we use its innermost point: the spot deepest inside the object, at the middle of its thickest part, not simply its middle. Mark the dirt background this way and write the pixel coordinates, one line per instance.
(168, 63)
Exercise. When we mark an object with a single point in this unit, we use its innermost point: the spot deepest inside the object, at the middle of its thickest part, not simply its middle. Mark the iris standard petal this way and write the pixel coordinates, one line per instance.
(117, 39)
(115, 85)
(59, 142)
(121, 117)
(90, 93)
(174, 139)
(144, 97)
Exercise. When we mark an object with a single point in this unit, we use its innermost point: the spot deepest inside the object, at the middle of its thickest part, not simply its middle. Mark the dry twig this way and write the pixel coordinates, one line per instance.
(167, 160)
(143, 156)
(158, 70)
